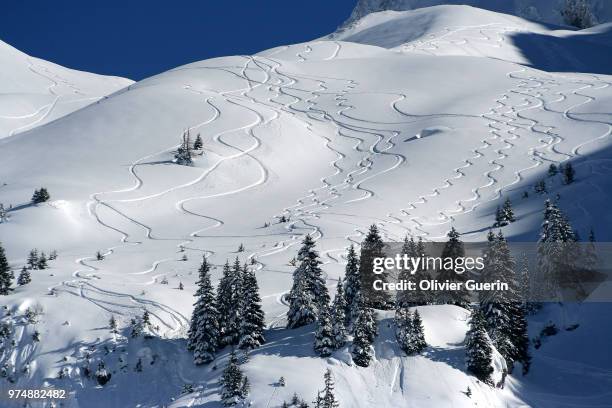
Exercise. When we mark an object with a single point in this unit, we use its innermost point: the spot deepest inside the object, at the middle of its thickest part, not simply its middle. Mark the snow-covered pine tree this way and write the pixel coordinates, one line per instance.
(33, 259)
(372, 247)
(577, 13)
(302, 309)
(24, 277)
(366, 330)
(42, 261)
(197, 145)
(405, 298)
(504, 310)
(338, 316)
(228, 304)
(309, 293)
(418, 333)
(203, 332)
(183, 152)
(6, 278)
(403, 324)
(552, 170)
(478, 348)
(252, 321)
(326, 398)
(232, 381)
(324, 335)
(557, 252)
(352, 283)
(40, 196)
(454, 249)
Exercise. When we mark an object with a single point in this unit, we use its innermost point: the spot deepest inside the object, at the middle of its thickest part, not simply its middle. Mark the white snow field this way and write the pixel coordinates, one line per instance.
(412, 132)
(34, 91)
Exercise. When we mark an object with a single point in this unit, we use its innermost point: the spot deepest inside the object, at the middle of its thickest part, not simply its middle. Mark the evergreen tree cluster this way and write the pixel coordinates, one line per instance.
(454, 249)
(40, 196)
(183, 155)
(567, 171)
(504, 311)
(409, 330)
(231, 317)
(37, 260)
(577, 13)
(504, 215)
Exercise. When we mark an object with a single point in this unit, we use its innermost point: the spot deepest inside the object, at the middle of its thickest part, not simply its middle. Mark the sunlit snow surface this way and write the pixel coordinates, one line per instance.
(324, 133)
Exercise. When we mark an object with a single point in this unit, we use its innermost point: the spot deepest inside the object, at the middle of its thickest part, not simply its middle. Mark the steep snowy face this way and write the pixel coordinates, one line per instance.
(546, 11)
(34, 92)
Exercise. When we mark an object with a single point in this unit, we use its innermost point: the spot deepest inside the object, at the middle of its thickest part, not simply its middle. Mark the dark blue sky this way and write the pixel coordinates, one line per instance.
(137, 39)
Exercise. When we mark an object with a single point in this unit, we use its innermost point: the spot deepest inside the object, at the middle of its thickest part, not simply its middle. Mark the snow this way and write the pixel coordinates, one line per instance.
(547, 11)
(325, 133)
(34, 91)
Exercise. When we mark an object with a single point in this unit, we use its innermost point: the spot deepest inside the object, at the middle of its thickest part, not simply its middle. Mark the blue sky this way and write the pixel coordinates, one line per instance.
(140, 38)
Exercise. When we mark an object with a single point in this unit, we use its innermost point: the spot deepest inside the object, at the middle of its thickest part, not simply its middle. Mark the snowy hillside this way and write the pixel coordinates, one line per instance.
(322, 138)
(34, 92)
(546, 11)
(461, 30)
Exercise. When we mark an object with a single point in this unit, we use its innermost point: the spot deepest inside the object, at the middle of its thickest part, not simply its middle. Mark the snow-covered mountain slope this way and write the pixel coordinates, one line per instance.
(546, 11)
(464, 30)
(34, 91)
(333, 135)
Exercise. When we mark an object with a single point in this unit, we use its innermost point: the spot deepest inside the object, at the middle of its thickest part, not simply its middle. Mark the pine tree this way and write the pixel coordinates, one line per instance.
(338, 316)
(183, 152)
(366, 330)
(40, 196)
(309, 293)
(409, 331)
(6, 277)
(252, 317)
(453, 249)
(112, 324)
(42, 261)
(371, 248)
(326, 398)
(197, 145)
(24, 277)
(577, 13)
(552, 170)
(403, 325)
(203, 332)
(232, 381)
(352, 283)
(418, 333)
(33, 259)
(557, 253)
(324, 334)
(569, 173)
(228, 304)
(478, 349)
(504, 310)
